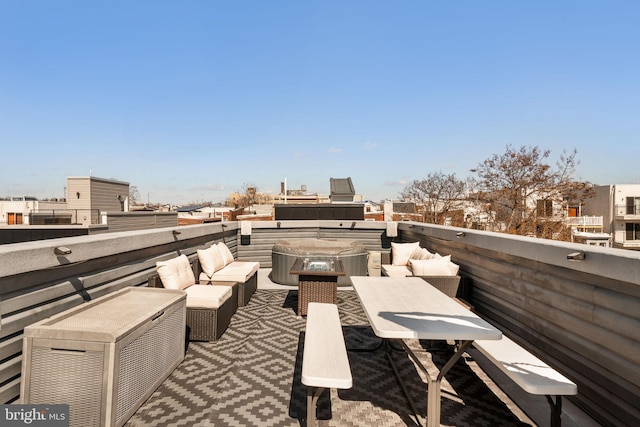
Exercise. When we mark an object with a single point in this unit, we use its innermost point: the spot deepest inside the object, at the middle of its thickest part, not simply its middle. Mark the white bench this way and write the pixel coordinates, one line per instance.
(325, 363)
(529, 372)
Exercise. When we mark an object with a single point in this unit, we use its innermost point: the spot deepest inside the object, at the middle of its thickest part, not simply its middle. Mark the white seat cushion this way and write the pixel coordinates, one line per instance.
(176, 273)
(423, 253)
(434, 267)
(395, 270)
(203, 279)
(237, 271)
(207, 296)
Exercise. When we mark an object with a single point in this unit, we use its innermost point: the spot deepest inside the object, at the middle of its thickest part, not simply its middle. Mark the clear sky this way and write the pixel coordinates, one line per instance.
(191, 100)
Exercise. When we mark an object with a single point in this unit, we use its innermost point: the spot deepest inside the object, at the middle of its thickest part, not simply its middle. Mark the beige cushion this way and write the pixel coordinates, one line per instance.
(176, 273)
(400, 252)
(434, 267)
(203, 279)
(422, 253)
(237, 271)
(207, 296)
(227, 256)
(395, 270)
(211, 259)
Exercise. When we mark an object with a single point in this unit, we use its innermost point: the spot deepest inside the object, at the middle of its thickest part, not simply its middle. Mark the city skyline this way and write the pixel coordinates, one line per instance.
(195, 101)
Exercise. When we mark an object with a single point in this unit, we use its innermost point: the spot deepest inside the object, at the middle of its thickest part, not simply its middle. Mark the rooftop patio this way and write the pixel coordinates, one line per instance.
(579, 316)
(251, 376)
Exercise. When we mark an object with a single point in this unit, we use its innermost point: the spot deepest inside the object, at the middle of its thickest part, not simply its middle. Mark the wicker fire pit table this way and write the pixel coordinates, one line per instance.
(317, 280)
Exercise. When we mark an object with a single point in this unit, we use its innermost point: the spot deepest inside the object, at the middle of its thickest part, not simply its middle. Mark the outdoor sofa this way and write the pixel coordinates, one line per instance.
(216, 264)
(409, 259)
(208, 307)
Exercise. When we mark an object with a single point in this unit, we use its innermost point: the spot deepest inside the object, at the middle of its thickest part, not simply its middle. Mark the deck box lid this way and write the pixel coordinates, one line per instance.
(108, 318)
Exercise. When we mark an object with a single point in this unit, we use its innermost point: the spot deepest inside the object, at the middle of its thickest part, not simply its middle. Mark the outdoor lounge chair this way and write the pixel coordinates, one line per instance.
(209, 307)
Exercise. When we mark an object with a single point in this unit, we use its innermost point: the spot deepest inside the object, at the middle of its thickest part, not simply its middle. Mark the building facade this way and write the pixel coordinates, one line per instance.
(89, 198)
(619, 205)
(21, 210)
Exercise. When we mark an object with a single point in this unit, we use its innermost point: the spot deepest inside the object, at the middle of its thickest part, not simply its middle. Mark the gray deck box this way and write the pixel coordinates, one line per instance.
(106, 357)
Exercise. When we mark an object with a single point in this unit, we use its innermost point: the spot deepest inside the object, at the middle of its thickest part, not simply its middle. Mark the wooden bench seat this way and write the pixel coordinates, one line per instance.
(325, 363)
(529, 372)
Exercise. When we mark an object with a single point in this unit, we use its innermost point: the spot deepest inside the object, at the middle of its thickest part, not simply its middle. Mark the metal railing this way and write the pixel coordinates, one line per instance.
(65, 216)
(622, 210)
(585, 221)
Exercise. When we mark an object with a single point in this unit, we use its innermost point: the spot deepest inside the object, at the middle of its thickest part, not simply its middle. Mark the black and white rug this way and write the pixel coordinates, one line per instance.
(251, 377)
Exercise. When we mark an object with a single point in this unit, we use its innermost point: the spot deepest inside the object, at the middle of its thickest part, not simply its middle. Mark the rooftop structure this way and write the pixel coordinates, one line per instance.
(342, 190)
(91, 197)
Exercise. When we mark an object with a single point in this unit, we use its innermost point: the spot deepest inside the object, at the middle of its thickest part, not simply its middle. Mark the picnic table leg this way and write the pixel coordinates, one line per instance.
(433, 396)
(313, 393)
(556, 410)
(433, 384)
(389, 349)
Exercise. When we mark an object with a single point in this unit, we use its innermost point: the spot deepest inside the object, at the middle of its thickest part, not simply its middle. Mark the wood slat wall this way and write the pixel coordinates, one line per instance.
(128, 221)
(585, 325)
(33, 295)
(104, 195)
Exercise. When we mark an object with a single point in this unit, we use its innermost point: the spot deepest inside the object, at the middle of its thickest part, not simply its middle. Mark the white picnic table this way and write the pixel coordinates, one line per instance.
(409, 308)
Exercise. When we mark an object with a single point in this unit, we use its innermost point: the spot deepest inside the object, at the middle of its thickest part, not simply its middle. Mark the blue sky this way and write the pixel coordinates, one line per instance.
(192, 100)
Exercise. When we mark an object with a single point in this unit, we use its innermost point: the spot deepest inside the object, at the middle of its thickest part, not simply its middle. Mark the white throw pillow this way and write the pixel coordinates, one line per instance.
(416, 253)
(227, 256)
(434, 267)
(422, 253)
(400, 252)
(176, 273)
(211, 259)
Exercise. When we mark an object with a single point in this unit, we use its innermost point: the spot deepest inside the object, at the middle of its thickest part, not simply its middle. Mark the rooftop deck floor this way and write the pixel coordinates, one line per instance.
(251, 377)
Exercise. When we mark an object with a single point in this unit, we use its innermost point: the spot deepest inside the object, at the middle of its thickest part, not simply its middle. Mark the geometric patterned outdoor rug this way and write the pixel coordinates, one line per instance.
(251, 377)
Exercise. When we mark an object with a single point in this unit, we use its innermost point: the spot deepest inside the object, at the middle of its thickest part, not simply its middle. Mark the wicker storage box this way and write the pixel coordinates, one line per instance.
(104, 358)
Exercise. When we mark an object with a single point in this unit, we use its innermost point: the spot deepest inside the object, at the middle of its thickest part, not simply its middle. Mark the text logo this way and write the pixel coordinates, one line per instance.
(34, 415)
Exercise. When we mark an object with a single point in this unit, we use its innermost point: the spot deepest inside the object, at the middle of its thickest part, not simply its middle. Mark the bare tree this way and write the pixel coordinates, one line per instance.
(438, 193)
(524, 193)
(134, 195)
(247, 197)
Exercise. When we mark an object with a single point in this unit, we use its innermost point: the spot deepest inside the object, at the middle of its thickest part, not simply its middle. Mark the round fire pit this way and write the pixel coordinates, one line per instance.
(352, 253)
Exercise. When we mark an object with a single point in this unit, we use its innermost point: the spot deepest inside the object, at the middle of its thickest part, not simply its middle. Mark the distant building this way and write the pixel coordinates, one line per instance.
(373, 211)
(619, 205)
(89, 198)
(200, 214)
(20, 210)
(401, 211)
(297, 196)
(588, 238)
